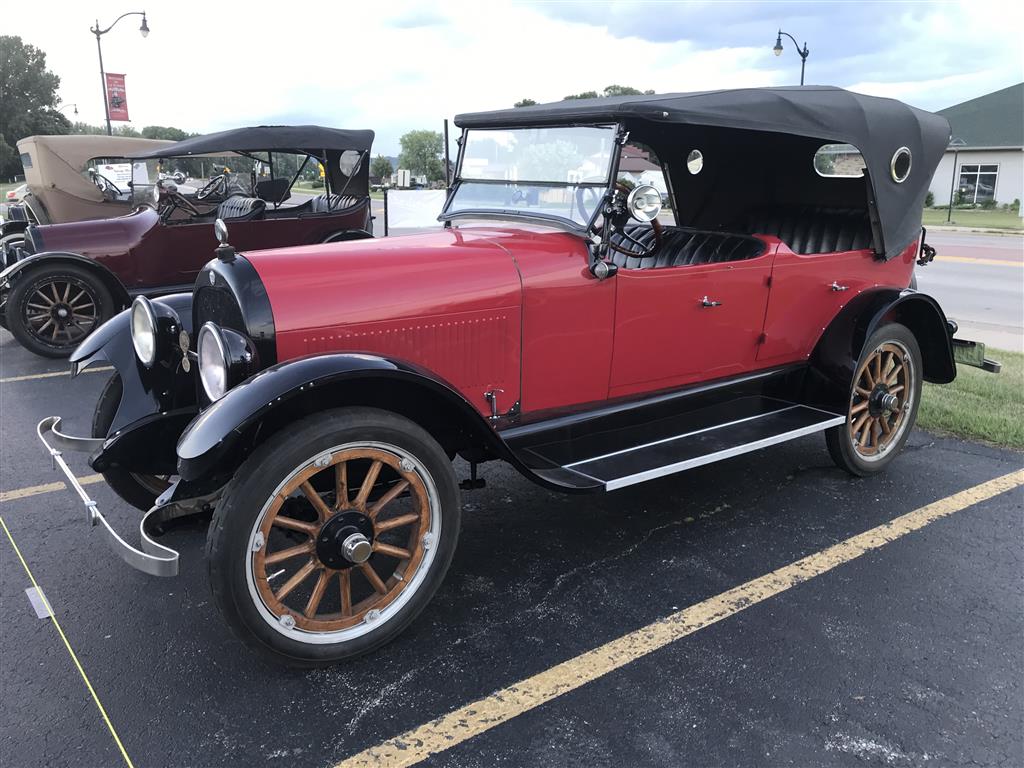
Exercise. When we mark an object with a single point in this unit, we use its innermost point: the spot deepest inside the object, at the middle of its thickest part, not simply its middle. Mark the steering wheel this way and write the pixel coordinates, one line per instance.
(108, 189)
(218, 184)
(617, 220)
(171, 199)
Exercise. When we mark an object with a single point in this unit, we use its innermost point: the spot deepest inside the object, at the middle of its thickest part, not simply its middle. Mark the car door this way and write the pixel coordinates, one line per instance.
(679, 325)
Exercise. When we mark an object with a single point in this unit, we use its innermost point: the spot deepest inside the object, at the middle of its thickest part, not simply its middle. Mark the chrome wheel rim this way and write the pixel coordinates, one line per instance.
(60, 312)
(881, 401)
(296, 577)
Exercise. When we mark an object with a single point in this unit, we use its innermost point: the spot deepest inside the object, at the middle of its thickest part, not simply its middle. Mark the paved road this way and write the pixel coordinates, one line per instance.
(909, 655)
(979, 281)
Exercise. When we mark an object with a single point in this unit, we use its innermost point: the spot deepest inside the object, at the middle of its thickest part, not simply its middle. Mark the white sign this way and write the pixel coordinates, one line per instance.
(415, 208)
(119, 173)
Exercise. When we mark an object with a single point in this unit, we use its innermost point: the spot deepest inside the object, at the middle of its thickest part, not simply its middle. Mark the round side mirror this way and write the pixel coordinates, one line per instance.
(220, 229)
(644, 203)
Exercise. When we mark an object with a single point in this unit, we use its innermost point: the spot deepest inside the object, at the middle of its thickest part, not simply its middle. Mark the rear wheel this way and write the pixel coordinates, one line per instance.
(137, 489)
(333, 536)
(884, 399)
(51, 309)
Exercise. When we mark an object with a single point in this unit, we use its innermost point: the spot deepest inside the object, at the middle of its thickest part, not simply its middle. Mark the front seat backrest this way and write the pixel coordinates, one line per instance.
(240, 208)
(332, 203)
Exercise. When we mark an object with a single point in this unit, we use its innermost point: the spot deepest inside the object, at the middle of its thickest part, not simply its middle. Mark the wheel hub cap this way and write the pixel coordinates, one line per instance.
(345, 540)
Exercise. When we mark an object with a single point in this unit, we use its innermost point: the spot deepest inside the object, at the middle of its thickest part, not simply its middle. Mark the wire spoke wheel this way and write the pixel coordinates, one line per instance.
(881, 400)
(344, 541)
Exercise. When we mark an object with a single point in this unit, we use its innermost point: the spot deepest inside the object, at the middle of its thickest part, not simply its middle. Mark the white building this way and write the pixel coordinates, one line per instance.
(986, 151)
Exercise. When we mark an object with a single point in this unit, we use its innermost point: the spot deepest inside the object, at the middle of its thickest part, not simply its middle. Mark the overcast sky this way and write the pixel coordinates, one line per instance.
(396, 66)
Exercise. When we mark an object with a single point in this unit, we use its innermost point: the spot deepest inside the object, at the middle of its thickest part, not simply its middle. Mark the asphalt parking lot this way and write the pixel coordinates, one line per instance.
(903, 651)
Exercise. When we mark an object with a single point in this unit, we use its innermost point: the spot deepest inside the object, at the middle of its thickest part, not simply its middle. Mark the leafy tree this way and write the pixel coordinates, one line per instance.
(28, 97)
(549, 162)
(624, 90)
(167, 132)
(381, 167)
(584, 95)
(524, 103)
(421, 154)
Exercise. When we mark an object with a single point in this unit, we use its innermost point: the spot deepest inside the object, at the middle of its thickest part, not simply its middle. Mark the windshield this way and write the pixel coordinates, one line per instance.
(558, 172)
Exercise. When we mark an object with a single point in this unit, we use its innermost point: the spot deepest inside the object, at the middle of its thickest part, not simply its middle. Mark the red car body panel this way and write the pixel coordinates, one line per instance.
(517, 310)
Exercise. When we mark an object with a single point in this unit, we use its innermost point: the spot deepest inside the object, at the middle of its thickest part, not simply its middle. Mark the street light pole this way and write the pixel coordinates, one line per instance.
(804, 52)
(144, 29)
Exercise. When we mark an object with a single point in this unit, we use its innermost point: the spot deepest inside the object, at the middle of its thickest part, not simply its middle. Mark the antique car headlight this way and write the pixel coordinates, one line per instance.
(226, 358)
(644, 203)
(144, 331)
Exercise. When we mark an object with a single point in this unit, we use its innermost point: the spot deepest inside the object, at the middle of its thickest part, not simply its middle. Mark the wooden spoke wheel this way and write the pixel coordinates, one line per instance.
(881, 399)
(341, 541)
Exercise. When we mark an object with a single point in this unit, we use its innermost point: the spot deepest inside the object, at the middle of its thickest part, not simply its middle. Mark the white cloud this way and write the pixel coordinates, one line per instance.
(208, 66)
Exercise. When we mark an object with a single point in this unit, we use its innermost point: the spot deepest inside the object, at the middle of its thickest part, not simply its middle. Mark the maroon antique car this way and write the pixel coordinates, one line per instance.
(69, 278)
(315, 396)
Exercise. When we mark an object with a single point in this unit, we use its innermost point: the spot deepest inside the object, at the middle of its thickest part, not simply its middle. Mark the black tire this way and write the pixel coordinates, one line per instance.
(85, 291)
(232, 537)
(138, 490)
(841, 440)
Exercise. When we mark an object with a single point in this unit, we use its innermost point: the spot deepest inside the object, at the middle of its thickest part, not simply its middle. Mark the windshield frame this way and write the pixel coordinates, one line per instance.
(619, 136)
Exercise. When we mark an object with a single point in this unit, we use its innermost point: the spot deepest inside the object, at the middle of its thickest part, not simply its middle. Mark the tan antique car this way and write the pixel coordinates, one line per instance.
(73, 178)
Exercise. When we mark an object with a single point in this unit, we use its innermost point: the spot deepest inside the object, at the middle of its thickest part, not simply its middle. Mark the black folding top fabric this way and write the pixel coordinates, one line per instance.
(878, 127)
(262, 138)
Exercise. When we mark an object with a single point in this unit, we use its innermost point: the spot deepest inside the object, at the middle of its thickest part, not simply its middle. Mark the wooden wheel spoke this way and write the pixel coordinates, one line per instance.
(40, 307)
(53, 290)
(858, 407)
(322, 510)
(894, 375)
(287, 554)
(395, 522)
(884, 422)
(282, 521)
(368, 482)
(387, 549)
(862, 392)
(878, 367)
(346, 592)
(44, 297)
(861, 420)
(395, 490)
(896, 390)
(297, 578)
(67, 292)
(373, 578)
(865, 435)
(317, 594)
(341, 485)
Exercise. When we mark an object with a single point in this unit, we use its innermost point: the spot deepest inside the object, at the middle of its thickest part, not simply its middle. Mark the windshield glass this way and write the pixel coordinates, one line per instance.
(528, 171)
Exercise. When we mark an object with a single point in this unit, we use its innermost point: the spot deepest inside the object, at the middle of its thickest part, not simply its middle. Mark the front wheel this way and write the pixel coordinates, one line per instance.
(52, 308)
(884, 398)
(333, 536)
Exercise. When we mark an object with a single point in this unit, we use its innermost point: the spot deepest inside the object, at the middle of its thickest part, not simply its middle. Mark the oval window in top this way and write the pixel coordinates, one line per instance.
(694, 161)
(350, 161)
(899, 166)
(842, 161)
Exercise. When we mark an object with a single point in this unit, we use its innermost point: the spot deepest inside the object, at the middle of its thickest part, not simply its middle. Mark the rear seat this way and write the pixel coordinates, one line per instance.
(812, 229)
(325, 203)
(682, 247)
(240, 208)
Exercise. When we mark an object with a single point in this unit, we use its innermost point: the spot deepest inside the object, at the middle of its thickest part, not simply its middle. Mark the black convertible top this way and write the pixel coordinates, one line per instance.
(311, 139)
(878, 127)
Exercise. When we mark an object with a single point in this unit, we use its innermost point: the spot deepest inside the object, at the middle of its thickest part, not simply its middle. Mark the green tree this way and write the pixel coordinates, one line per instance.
(624, 90)
(381, 167)
(167, 132)
(584, 95)
(524, 103)
(421, 154)
(28, 97)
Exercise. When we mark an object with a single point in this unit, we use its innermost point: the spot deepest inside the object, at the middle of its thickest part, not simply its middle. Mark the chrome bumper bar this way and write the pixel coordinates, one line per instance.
(153, 558)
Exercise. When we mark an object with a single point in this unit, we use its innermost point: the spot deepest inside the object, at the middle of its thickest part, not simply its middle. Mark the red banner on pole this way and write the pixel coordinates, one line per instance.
(117, 101)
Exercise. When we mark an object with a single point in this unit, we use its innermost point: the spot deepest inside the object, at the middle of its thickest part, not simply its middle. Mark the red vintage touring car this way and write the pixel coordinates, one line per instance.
(315, 396)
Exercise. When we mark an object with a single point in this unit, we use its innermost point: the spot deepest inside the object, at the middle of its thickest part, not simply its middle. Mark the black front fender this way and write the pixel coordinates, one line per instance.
(210, 446)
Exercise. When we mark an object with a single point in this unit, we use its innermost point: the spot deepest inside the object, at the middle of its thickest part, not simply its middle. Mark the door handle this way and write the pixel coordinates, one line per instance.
(706, 302)
(837, 287)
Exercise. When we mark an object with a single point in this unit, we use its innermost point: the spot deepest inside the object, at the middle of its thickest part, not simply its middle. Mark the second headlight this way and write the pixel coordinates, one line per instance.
(226, 358)
(144, 331)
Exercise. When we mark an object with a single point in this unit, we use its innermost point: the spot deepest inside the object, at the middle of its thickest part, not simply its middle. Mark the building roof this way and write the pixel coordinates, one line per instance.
(993, 120)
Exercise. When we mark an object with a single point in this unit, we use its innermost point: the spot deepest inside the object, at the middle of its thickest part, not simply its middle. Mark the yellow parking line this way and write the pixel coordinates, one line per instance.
(986, 262)
(52, 374)
(473, 719)
(35, 490)
(71, 652)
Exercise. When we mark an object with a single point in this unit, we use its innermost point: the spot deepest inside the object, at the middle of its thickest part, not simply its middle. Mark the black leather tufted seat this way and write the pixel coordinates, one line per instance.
(325, 203)
(812, 229)
(239, 208)
(683, 247)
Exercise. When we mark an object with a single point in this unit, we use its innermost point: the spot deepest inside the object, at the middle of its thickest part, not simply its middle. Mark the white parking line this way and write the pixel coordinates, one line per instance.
(52, 374)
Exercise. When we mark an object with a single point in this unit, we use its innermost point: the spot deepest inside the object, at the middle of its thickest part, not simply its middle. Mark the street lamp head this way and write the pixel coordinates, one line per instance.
(777, 50)
(144, 29)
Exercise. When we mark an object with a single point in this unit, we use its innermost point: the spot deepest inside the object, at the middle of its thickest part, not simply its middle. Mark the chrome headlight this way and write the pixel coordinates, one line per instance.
(144, 331)
(213, 361)
(644, 203)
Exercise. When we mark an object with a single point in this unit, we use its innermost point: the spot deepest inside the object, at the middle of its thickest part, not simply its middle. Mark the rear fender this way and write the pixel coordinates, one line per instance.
(109, 279)
(834, 360)
(217, 442)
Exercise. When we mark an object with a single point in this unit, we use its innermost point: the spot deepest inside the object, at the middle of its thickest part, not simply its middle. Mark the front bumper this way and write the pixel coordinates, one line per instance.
(153, 558)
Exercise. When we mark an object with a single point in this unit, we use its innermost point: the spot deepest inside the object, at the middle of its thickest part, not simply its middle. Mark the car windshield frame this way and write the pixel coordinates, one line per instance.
(615, 132)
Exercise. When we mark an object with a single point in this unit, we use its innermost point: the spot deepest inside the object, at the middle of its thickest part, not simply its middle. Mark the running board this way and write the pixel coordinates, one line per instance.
(774, 422)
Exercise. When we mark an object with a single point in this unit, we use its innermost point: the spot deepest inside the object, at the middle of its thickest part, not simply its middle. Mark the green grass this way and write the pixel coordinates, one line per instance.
(979, 405)
(974, 217)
